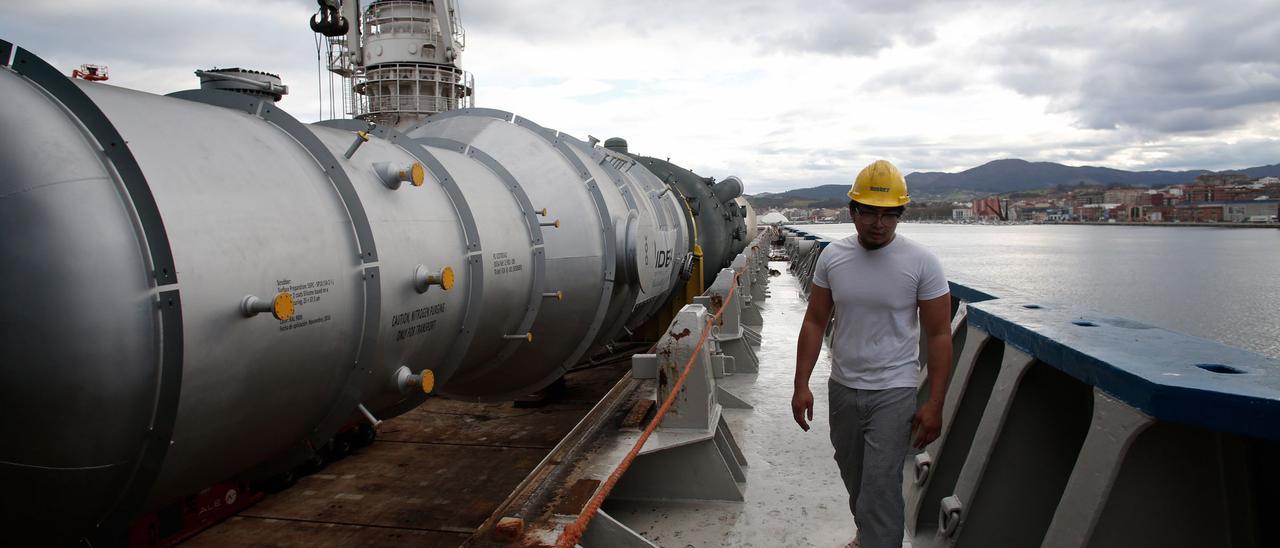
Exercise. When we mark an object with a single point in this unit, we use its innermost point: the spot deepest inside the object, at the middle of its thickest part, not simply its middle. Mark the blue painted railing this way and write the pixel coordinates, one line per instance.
(1169, 376)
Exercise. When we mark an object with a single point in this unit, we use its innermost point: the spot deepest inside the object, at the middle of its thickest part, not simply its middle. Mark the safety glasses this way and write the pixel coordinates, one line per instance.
(887, 217)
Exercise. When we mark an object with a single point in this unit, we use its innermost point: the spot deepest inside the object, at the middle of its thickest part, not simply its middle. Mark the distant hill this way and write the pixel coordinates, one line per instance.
(1272, 170)
(1002, 176)
(818, 196)
(1011, 175)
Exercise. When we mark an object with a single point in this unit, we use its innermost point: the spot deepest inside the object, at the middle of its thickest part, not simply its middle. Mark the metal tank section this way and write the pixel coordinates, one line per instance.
(248, 82)
(720, 221)
(200, 285)
(607, 257)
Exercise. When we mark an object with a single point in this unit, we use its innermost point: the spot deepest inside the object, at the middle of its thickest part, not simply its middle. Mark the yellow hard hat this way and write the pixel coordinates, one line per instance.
(881, 185)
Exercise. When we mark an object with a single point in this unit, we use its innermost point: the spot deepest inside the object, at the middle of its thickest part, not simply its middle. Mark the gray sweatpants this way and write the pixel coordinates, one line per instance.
(870, 430)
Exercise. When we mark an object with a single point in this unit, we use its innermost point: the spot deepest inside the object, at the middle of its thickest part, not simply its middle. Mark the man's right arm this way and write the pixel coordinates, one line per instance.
(808, 345)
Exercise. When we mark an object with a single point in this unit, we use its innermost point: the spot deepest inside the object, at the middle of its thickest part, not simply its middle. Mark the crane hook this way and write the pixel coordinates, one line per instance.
(328, 21)
(316, 24)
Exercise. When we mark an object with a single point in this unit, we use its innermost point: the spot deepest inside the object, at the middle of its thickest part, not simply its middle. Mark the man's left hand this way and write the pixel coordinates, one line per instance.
(926, 425)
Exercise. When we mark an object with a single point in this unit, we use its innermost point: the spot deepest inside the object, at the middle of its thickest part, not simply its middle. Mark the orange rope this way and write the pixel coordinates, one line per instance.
(573, 532)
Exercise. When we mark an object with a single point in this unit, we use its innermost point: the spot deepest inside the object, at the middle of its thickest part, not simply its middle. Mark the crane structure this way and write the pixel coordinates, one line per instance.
(399, 60)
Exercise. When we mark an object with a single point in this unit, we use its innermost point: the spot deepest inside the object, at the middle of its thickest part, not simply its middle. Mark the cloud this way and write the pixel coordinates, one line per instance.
(862, 28)
(155, 45)
(829, 27)
(782, 94)
(923, 78)
(1203, 68)
(850, 36)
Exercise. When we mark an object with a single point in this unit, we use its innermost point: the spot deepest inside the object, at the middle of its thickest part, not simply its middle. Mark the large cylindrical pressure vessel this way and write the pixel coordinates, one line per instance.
(719, 225)
(200, 285)
(249, 213)
(155, 230)
(607, 250)
(201, 211)
(80, 320)
(424, 270)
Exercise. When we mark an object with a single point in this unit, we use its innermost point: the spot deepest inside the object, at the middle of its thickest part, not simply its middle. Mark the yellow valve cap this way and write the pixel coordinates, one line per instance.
(529, 336)
(542, 212)
(282, 306)
(557, 223)
(364, 135)
(559, 295)
(417, 174)
(428, 381)
(446, 278)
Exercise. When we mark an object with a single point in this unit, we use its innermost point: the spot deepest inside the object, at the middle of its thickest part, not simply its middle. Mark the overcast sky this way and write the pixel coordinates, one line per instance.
(783, 94)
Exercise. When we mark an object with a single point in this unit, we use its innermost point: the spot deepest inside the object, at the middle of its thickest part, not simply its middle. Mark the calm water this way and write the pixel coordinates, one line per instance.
(1217, 283)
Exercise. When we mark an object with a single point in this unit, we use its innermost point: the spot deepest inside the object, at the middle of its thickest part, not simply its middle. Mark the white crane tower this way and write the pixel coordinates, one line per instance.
(399, 59)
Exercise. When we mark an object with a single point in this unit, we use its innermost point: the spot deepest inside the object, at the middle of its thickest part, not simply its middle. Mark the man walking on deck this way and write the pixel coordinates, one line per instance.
(882, 288)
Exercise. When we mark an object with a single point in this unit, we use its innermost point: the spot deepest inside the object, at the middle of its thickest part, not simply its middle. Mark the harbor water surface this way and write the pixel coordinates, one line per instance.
(1217, 283)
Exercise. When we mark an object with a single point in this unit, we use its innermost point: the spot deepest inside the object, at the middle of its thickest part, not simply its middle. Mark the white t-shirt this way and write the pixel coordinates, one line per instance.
(875, 344)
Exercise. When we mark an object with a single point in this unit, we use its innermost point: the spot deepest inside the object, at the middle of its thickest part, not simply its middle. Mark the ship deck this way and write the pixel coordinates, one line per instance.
(436, 474)
(794, 496)
(431, 477)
